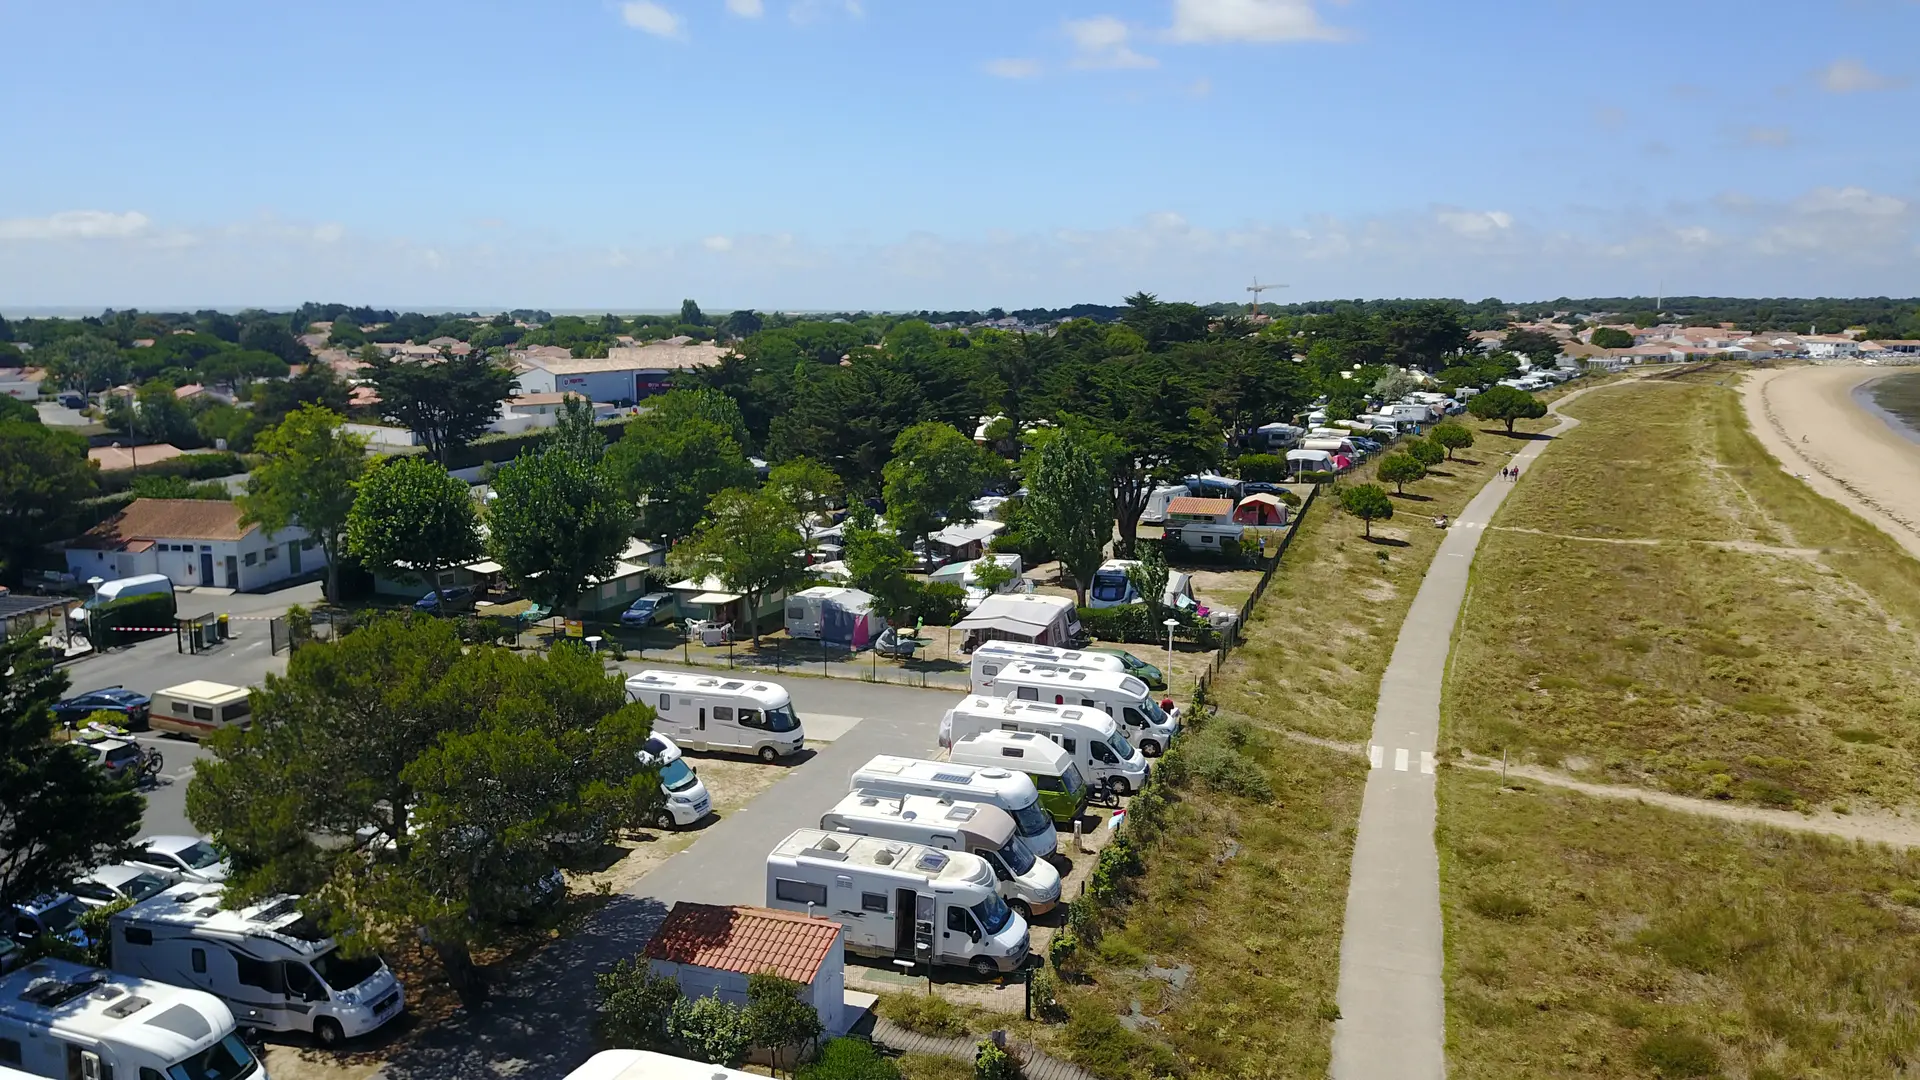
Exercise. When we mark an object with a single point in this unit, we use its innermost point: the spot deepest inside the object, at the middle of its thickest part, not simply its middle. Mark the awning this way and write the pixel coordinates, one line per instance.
(487, 566)
(713, 599)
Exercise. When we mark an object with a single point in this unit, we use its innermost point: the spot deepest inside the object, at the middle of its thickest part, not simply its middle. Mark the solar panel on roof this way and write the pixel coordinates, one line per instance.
(947, 777)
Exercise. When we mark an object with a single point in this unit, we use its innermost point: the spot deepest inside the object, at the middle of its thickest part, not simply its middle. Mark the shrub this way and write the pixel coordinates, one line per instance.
(179, 487)
(924, 1013)
(709, 1029)
(1225, 770)
(1316, 476)
(778, 1015)
(1268, 467)
(1494, 904)
(849, 1059)
(1678, 1054)
(990, 1062)
(938, 603)
(1063, 950)
(195, 466)
(1097, 1041)
(633, 1005)
(1118, 861)
(1045, 987)
(150, 613)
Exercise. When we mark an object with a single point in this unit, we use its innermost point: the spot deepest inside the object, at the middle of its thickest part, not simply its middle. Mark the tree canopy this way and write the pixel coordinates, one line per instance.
(448, 401)
(1400, 469)
(747, 541)
(677, 456)
(44, 475)
(411, 519)
(1451, 435)
(1507, 404)
(307, 476)
(1070, 498)
(1368, 502)
(557, 522)
(935, 473)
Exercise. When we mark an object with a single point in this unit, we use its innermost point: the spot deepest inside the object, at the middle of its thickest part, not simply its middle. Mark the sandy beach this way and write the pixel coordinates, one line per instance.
(1807, 418)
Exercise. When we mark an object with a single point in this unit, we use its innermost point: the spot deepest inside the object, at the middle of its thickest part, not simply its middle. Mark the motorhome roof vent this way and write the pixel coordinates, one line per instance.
(1020, 736)
(960, 813)
(120, 1010)
(1072, 714)
(886, 855)
(1077, 676)
(868, 800)
(55, 991)
(909, 815)
(828, 843)
(996, 774)
(734, 685)
(207, 912)
(932, 861)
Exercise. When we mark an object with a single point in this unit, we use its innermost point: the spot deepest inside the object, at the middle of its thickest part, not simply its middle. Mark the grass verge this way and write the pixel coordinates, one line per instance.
(1591, 937)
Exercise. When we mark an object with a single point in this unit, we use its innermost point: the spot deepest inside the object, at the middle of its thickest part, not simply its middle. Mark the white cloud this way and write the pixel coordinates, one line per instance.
(1101, 42)
(75, 225)
(329, 233)
(1249, 20)
(647, 16)
(1850, 76)
(1476, 222)
(718, 243)
(1768, 136)
(1012, 68)
(747, 9)
(806, 11)
(1854, 201)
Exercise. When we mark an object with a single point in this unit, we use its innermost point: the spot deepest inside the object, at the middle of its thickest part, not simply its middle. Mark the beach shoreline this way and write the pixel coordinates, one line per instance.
(1815, 421)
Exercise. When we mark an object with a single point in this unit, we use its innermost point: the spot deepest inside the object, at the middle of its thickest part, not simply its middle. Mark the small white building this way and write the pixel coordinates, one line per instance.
(1831, 347)
(709, 949)
(194, 542)
(625, 374)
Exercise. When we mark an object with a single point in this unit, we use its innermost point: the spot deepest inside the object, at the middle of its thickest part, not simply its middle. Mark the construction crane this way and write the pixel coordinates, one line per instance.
(1256, 289)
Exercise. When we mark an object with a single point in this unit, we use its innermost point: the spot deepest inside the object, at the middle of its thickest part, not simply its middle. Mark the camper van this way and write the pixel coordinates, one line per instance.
(1088, 735)
(1010, 791)
(67, 1021)
(687, 800)
(899, 900)
(1062, 786)
(200, 708)
(990, 658)
(272, 967)
(1419, 414)
(1122, 697)
(647, 1065)
(1030, 885)
(1157, 500)
(118, 589)
(1272, 437)
(708, 712)
(1113, 588)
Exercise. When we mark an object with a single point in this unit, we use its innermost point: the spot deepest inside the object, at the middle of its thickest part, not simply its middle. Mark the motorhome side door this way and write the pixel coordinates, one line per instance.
(85, 1065)
(923, 928)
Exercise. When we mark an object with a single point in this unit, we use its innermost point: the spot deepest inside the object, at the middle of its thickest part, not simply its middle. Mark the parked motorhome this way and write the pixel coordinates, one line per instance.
(687, 801)
(989, 659)
(1090, 736)
(1156, 511)
(1410, 411)
(1062, 786)
(200, 708)
(1309, 460)
(710, 712)
(966, 575)
(1122, 697)
(899, 900)
(1212, 486)
(1332, 446)
(1010, 791)
(270, 964)
(1272, 437)
(1027, 882)
(1206, 537)
(66, 1021)
(1113, 588)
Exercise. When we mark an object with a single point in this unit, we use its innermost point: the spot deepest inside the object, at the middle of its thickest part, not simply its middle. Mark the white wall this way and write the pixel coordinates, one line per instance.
(383, 435)
(183, 567)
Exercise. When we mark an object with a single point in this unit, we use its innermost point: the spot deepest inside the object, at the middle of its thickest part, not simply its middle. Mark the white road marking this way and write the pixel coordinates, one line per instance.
(1426, 762)
(1400, 760)
(1376, 754)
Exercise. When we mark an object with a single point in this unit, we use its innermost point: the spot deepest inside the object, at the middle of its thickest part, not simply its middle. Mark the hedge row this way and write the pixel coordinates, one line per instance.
(152, 612)
(491, 449)
(197, 466)
(1143, 624)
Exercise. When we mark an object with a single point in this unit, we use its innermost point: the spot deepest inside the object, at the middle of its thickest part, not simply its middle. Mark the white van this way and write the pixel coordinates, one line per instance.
(708, 712)
(118, 589)
(200, 708)
(899, 900)
(272, 966)
(1031, 885)
(687, 800)
(1122, 697)
(1008, 790)
(1090, 736)
(61, 1019)
(993, 656)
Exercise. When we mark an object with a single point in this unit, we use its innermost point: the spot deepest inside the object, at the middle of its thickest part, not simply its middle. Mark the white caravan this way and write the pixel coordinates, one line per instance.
(1010, 791)
(647, 1065)
(118, 589)
(710, 712)
(272, 966)
(1031, 885)
(67, 1021)
(1122, 697)
(991, 657)
(1090, 736)
(687, 800)
(1157, 501)
(899, 900)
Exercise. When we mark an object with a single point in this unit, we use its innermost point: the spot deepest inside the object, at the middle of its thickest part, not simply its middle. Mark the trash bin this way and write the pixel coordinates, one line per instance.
(222, 629)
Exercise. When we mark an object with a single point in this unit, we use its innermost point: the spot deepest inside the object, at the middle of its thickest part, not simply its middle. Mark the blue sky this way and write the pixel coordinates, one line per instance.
(952, 153)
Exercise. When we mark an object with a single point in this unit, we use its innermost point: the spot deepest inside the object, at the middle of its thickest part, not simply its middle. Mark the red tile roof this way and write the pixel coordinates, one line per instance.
(748, 940)
(165, 519)
(1200, 506)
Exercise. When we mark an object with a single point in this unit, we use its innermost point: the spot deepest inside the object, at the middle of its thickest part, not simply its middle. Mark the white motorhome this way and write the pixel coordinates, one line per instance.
(990, 658)
(118, 589)
(1031, 885)
(710, 712)
(1113, 588)
(1157, 500)
(1090, 736)
(270, 964)
(1272, 437)
(1011, 791)
(899, 900)
(1412, 412)
(67, 1021)
(1341, 445)
(1122, 697)
(647, 1065)
(687, 800)
(966, 575)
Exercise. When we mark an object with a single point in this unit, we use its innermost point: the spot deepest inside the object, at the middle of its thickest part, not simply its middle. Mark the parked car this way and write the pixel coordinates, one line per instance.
(135, 707)
(648, 610)
(112, 884)
(456, 598)
(1261, 487)
(57, 914)
(181, 858)
(1366, 444)
(116, 757)
(1136, 667)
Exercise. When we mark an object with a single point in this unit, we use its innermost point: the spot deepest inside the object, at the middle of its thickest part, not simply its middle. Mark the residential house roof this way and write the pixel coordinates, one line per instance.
(110, 458)
(746, 940)
(147, 520)
(188, 391)
(1200, 507)
(972, 532)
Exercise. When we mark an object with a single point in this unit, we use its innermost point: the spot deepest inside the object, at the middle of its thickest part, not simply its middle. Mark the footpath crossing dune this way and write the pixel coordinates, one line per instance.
(1809, 419)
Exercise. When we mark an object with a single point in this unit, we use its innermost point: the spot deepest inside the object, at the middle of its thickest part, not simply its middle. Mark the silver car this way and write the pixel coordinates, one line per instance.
(112, 884)
(181, 858)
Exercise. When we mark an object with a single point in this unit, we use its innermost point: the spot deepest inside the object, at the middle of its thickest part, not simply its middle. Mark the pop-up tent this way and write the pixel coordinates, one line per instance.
(1260, 508)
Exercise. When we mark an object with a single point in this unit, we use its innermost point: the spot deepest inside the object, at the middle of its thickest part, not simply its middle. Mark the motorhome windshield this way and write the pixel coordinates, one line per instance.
(1152, 709)
(1031, 820)
(782, 719)
(1017, 856)
(993, 914)
(227, 1059)
(1110, 586)
(1120, 746)
(345, 972)
(676, 775)
(198, 855)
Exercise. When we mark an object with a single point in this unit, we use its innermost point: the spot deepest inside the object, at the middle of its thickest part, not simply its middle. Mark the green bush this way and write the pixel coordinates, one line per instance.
(1117, 862)
(151, 613)
(1678, 1054)
(1268, 467)
(179, 487)
(1223, 769)
(196, 466)
(1140, 624)
(924, 1013)
(849, 1059)
(990, 1062)
(938, 603)
(633, 1005)
(1020, 536)
(1316, 476)
(709, 1029)
(1097, 1041)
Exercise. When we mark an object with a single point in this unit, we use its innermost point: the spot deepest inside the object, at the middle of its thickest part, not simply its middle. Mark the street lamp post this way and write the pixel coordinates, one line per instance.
(1170, 624)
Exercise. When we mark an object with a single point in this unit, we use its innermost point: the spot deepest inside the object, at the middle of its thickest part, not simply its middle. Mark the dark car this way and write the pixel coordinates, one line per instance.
(457, 598)
(135, 708)
(1261, 487)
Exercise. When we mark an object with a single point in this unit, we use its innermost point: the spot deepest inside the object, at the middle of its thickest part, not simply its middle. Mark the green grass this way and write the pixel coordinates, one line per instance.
(1601, 938)
(1775, 678)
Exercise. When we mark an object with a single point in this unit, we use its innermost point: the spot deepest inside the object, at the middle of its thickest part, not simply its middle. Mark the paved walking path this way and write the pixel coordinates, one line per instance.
(1392, 1003)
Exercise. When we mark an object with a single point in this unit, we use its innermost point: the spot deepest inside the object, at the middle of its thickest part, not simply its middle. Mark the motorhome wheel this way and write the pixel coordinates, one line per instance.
(1020, 906)
(326, 1032)
(1149, 747)
(769, 755)
(985, 967)
(1119, 786)
(663, 819)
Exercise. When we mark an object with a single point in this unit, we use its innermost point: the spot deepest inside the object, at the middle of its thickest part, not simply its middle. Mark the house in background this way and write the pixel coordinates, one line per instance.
(195, 543)
(709, 949)
(624, 375)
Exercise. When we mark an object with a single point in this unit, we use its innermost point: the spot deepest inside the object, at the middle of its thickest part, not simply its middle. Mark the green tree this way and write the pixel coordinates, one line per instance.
(747, 541)
(307, 476)
(1608, 337)
(44, 475)
(87, 363)
(935, 474)
(576, 433)
(1425, 451)
(1149, 579)
(848, 417)
(59, 815)
(809, 487)
(633, 1005)
(12, 409)
(1452, 435)
(1400, 469)
(878, 563)
(272, 335)
(557, 522)
(411, 519)
(447, 402)
(691, 315)
(1070, 498)
(779, 1016)
(1507, 404)
(1394, 385)
(1536, 345)
(1368, 502)
(677, 456)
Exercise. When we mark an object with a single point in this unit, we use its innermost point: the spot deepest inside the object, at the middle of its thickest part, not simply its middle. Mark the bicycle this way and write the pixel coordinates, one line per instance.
(151, 762)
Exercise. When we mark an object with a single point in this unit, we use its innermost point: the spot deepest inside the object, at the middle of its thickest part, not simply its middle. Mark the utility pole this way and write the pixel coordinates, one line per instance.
(1256, 289)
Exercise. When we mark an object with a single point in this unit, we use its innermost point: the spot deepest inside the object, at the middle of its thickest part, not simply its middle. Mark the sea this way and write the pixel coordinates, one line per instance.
(1895, 399)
